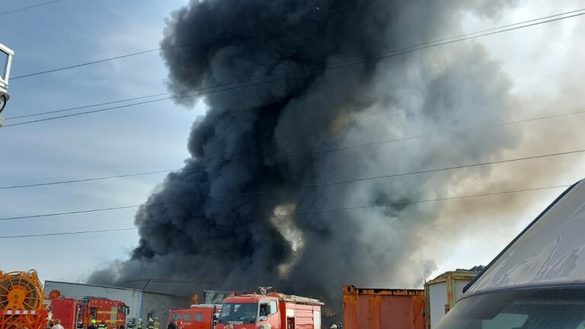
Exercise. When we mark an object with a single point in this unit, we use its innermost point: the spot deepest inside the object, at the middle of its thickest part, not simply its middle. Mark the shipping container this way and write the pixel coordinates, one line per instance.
(365, 308)
(443, 292)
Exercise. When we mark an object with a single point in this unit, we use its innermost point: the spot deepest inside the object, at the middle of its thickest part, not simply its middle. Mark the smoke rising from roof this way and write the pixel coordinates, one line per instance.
(251, 205)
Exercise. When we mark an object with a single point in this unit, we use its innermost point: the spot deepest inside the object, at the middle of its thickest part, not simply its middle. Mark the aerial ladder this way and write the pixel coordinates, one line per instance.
(22, 301)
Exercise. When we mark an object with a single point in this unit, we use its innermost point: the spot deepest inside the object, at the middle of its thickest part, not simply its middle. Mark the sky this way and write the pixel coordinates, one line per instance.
(543, 63)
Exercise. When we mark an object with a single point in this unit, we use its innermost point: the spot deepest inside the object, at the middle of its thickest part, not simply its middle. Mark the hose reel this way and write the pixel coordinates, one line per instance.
(21, 301)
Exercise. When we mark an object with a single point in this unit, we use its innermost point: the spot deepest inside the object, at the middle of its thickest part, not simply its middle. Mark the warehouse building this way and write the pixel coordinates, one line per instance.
(142, 304)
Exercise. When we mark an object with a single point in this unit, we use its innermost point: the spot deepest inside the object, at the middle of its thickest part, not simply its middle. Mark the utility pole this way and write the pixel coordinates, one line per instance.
(6, 55)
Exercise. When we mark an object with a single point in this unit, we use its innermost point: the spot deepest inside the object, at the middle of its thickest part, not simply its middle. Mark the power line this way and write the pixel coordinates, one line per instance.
(306, 187)
(406, 203)
(300, 214)
(67, 233)
(126, 106)
(423, 171)
(316, 186)
(147, 51)
(89, 63)
(68, 109)
(413, 137)
(28, 7)
(324, 151)
(7, 187)
(380, 57)
(358, 4)
(75, 212)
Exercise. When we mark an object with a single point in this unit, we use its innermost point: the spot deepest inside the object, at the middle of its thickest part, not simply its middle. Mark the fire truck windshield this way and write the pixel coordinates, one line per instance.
(534, 308)
(238, 313)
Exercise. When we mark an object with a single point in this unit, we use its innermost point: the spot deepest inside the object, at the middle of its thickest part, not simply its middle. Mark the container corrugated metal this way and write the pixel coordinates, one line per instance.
(365, 308)
(442, 293)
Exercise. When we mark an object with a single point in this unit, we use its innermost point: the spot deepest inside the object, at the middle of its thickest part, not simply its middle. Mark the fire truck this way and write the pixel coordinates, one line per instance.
(270, 311)
(201, 316)
(75, 313)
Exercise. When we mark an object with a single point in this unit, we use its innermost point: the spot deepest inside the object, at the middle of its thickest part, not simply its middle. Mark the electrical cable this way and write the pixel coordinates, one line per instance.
(305, 213)
(315, 186)
(28, 7)
(7, 187)
(66, 233)
(291, 215)
(68, 109)
(147, 51)
(380, 57)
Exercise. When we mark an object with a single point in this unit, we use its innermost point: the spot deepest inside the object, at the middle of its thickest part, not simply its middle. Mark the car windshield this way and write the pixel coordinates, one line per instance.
(559, 308)
(238, 313)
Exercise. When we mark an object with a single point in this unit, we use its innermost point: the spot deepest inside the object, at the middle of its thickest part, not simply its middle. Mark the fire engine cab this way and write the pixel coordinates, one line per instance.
(270, 311)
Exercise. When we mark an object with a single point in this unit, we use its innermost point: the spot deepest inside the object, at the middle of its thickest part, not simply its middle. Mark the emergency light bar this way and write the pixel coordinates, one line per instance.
(6, 55)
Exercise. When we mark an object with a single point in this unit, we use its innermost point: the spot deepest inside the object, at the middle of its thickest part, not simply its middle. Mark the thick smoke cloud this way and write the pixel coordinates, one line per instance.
(264, 197)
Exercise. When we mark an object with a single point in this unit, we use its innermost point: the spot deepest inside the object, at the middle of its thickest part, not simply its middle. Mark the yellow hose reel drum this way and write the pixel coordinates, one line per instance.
(21, 301)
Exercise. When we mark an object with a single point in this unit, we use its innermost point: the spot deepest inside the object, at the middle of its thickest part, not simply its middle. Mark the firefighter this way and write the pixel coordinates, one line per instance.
(150, 323)
(102, 325)
(156, 323)
(139, 324)
(57, 324)
(92, 324)
(172, 325)
(131, 324)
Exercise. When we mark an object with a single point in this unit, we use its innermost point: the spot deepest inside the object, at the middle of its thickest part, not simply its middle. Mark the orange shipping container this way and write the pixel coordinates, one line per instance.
(383, 308)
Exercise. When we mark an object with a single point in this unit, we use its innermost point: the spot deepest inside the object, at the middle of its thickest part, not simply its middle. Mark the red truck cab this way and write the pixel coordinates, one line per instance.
(202, 316)
(270, 311)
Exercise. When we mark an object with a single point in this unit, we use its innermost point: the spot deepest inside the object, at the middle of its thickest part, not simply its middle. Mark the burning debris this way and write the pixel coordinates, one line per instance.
(272, 193)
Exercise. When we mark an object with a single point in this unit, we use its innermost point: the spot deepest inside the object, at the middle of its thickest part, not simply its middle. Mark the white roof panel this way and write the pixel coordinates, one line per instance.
(550, 251)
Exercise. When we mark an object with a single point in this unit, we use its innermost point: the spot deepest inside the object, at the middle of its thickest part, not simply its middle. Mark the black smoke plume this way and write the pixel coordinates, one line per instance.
(276, 192)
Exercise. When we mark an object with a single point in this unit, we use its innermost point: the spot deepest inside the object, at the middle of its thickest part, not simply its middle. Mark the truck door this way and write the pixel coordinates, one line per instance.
(268, 310)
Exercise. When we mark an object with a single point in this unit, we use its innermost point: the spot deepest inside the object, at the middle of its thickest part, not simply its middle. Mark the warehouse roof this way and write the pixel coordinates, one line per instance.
(110, 287)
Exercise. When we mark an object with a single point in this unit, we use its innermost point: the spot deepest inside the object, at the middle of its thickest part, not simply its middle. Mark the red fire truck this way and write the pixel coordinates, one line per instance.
(272, 310)
(200, 316)
(75, 313)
